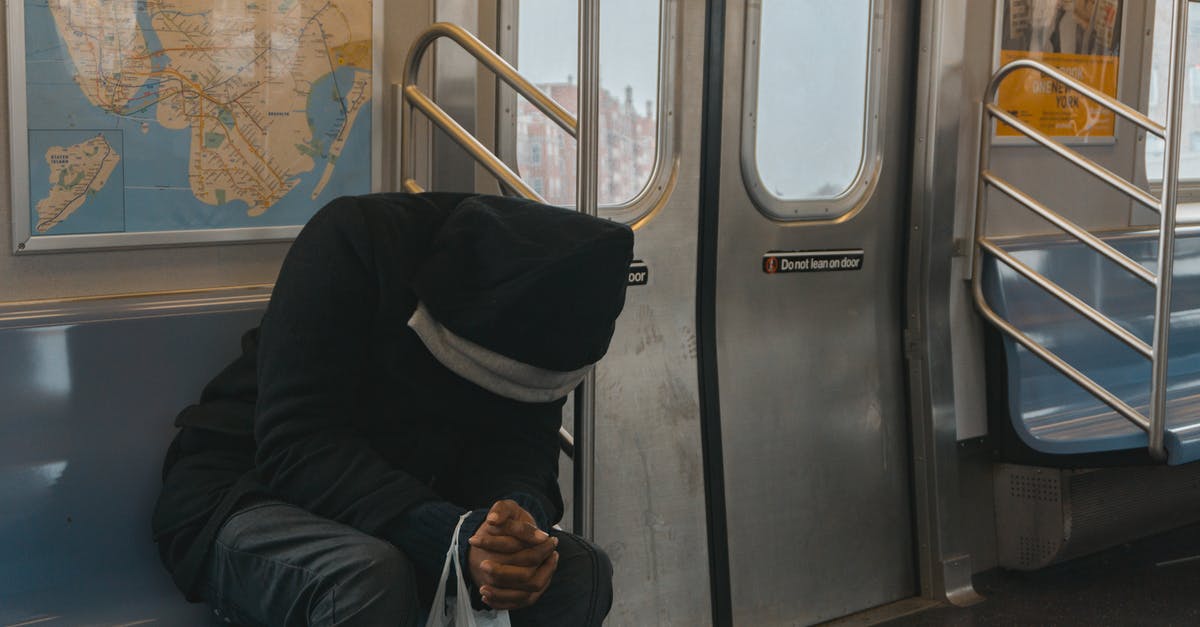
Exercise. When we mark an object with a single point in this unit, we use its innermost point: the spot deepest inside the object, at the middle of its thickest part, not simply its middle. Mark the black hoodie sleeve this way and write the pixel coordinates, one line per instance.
(520, 462)
(313, 358)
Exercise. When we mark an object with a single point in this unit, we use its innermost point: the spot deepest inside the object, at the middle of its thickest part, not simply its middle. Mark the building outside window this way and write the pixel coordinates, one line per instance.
(628, 114)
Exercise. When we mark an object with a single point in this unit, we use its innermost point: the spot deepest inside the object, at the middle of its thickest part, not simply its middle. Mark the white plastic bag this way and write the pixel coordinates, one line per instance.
(457, 611)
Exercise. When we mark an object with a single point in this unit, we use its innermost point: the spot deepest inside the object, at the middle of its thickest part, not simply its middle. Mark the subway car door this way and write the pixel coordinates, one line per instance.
(806, 291)
(649, 507)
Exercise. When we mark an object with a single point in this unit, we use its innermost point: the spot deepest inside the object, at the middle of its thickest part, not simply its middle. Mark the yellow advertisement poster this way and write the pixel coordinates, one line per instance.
(1081, 38)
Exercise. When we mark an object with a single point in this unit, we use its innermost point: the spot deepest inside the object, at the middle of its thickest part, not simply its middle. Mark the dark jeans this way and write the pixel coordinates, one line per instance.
(276, 564)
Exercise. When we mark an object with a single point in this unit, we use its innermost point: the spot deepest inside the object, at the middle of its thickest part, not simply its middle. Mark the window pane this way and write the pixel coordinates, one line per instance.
(1160, 72)
(811, 98)
(629, 66)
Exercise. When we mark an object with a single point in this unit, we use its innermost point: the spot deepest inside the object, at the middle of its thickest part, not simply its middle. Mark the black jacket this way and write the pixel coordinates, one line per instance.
(336, 406)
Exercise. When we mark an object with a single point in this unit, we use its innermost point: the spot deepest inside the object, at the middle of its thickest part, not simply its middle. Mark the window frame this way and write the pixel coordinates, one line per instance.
(664, 173)
(1153, 98)
(1188, 193)
(816, 211)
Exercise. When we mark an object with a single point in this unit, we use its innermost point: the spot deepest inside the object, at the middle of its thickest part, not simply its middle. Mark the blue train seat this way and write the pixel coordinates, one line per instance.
(1050, 414)
(88, 411)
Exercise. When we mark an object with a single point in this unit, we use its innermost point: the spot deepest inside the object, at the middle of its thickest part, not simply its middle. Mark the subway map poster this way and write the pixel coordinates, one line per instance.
(157, 122)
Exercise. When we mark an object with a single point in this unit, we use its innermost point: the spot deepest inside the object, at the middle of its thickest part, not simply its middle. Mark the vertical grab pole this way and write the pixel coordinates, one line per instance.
(585, 194)
(1166, 230)
(406, 167)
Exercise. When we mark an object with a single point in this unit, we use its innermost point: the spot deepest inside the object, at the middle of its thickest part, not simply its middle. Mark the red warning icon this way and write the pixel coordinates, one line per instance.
(771, 265)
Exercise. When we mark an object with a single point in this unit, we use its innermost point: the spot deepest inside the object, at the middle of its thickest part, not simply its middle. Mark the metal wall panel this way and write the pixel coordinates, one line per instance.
(813, 405)
(454, 89)
(955, 526)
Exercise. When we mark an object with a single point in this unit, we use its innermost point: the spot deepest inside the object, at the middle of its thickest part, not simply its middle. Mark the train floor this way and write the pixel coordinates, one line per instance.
(1154, 581)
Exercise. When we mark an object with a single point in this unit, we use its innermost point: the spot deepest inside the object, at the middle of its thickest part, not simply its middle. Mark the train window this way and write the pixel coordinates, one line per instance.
(1189, 161)
(809, 117)
(631, 137)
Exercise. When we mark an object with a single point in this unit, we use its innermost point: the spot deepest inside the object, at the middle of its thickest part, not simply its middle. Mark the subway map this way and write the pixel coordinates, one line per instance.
(182, 115)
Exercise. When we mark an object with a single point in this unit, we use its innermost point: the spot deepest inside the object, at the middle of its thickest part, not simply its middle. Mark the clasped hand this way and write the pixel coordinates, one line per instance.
(510, 559)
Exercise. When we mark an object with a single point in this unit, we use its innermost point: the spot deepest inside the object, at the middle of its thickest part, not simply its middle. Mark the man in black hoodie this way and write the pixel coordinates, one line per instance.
(408, 375)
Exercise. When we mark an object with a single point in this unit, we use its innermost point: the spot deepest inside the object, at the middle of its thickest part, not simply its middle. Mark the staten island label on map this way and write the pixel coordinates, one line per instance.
(189, 119)
(77, 173)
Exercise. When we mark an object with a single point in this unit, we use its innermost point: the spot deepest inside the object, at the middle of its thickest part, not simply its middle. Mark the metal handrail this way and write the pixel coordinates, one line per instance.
(1107, 101)
(1088, 165)
(1084, 309)
(1048, 214)
(1156, 351)
(415, 98)
(586, 185)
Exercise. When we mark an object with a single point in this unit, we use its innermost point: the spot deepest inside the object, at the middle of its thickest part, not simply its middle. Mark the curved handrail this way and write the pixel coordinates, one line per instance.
(414, 97)
(494, 62)
(1156, 351)
(1105, 100)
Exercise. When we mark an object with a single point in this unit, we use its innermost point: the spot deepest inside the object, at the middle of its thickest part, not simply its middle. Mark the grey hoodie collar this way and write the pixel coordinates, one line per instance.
(490, 370)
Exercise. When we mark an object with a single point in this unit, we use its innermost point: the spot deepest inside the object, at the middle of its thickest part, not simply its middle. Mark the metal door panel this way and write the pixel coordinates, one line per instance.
(812, 399)
(649, 490)
(650, 514)
(649, 471)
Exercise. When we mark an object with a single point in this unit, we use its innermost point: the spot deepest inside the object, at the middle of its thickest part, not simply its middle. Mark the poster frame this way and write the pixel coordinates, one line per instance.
(1069, 140)
(23, 239)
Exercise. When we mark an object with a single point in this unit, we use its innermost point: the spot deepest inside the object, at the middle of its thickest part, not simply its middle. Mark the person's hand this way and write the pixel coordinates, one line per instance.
(510, 559)
(508, 528)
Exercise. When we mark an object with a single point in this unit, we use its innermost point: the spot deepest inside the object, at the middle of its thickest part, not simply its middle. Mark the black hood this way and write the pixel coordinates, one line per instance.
(535, 283)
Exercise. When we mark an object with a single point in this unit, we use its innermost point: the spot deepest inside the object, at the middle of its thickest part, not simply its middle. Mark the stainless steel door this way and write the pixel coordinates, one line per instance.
(810, 374)
(649, 472)
(649, 491)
